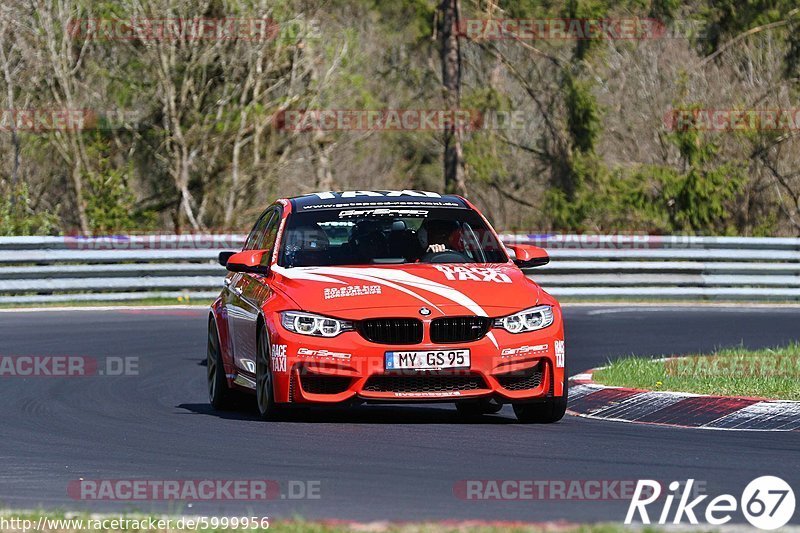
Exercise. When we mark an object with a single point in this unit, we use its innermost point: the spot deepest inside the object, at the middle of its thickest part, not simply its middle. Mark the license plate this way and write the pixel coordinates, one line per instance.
(430, 360)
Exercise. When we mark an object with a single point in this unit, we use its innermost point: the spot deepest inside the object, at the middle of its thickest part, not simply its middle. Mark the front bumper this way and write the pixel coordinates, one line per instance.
(504, 366)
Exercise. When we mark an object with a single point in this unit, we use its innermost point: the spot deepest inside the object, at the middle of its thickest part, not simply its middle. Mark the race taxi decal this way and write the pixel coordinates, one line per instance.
(305, 352)
(384, 199)
(559, 346)
(279, 358)
(351, 290)
(330, 195)
(461, 273)
(524, 350)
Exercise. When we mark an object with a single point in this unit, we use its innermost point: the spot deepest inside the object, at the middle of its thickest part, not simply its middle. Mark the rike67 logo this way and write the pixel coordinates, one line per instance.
(767, 503)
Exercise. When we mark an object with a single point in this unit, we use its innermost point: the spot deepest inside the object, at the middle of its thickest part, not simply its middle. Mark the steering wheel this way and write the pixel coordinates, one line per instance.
(448, 256)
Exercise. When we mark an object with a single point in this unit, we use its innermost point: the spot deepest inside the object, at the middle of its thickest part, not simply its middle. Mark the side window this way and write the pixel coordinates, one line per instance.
(257, 234)
(266, 240)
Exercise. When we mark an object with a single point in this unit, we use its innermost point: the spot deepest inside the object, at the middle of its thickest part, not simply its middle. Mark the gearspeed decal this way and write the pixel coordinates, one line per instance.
(383, 213)
(524, 350)
(306, 352)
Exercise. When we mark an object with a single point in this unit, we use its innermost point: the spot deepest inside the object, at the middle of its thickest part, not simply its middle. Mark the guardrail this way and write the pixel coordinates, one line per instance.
(120, 268)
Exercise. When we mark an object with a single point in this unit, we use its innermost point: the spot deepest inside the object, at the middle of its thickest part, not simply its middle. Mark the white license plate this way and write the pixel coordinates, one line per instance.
(429, 360)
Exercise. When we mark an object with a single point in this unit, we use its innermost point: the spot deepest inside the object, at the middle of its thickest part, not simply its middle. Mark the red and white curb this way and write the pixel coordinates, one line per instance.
(589, 399)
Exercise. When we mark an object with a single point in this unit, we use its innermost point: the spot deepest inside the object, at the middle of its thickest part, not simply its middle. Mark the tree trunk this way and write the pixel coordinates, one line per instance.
(80, 203)
(322, 162)
(12, 106)
(450, 52)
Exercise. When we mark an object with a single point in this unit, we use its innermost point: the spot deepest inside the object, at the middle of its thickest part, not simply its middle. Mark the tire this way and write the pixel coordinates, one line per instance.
(220, 396)
(268, 408)
(547, 412)
(474, 409)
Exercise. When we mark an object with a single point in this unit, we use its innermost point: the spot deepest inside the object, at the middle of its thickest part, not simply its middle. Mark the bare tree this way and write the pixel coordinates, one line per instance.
(449, 15)
(62, 62)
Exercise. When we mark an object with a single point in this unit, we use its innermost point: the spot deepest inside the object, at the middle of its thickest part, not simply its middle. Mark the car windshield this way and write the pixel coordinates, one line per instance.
(390, 235)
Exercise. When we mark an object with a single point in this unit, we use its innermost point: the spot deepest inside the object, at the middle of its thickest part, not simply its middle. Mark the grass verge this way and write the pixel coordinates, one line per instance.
(77, 522)
(767, 373)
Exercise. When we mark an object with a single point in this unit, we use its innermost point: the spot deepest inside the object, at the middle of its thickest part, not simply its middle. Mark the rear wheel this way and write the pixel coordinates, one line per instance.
(220, 396)
(547, 412)
(268, 408)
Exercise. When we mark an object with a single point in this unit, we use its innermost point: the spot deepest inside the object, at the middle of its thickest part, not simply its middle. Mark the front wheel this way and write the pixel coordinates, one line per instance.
(268, 408)
(547, 412)
(220, 396)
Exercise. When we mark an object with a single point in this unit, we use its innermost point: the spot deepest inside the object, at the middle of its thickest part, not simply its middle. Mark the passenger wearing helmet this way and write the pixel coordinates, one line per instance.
(367, 241)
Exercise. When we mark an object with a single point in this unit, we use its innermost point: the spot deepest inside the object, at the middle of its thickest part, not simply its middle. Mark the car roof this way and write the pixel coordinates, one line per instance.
(345, 199)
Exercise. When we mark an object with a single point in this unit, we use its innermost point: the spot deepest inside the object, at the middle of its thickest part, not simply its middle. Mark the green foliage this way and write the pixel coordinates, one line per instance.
(729, 18)
(18, 217)
(653, 198)
(484, 157)
(583, 114)
(110, 204)
(585, 9)
(663, 200)
(413, 18)
(792, 59)
(569, 210)
(664, 9)
(484, 153)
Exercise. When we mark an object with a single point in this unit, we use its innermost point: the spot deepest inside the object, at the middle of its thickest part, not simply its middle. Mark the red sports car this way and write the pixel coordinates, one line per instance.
(385, 296)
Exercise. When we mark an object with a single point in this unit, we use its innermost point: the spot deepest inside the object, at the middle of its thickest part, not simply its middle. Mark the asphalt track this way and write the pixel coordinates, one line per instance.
(372, 462)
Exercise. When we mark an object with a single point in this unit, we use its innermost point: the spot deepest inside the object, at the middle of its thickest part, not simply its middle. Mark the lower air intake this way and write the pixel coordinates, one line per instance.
(423, 384)
(317, 384)
(530, 378)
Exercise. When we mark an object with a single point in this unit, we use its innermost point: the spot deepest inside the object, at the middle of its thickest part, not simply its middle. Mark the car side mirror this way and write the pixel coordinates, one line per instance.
(527, 256)
(248, 261)
(223, 258)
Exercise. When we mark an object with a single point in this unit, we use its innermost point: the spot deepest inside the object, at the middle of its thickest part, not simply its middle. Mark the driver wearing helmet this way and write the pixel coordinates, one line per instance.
(438, 235)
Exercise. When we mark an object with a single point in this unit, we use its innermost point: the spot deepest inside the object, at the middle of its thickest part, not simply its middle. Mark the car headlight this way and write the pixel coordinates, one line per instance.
(316, 325)
(528, 320)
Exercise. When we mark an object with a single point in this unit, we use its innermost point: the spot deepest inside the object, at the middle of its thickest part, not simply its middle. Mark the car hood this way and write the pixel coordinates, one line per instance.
(445, 289)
